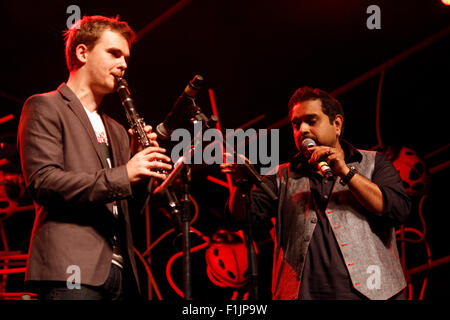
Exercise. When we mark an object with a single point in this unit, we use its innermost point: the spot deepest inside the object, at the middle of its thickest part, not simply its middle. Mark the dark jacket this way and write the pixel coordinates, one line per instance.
(73, 188)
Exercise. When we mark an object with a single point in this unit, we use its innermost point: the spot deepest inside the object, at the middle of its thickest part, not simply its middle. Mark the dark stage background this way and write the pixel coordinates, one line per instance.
(253, 55)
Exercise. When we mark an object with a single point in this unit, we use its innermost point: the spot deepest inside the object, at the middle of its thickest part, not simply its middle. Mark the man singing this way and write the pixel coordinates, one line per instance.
(334, 237)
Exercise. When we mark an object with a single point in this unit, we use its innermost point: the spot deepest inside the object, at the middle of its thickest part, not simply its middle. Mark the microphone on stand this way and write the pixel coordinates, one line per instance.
(323, 166)
(181, 108)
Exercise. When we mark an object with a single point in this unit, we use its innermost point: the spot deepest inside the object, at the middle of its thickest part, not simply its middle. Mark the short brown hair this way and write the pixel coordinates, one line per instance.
(88, 30)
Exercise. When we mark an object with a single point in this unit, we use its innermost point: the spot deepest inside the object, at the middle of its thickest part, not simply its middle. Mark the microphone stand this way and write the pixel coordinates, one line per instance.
(253, 273)
(185, 231)
(183, 214)
(253, 177)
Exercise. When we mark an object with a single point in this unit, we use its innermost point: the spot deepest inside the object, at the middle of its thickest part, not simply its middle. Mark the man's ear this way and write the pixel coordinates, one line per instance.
(338, 123)
(81, 51)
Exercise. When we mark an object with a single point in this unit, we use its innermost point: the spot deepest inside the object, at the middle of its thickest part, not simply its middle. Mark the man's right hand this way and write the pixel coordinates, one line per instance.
(234, 169)
(147, 163)
(236, 204)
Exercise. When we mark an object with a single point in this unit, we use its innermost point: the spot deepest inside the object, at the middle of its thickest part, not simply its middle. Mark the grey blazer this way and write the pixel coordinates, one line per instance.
(73, 188)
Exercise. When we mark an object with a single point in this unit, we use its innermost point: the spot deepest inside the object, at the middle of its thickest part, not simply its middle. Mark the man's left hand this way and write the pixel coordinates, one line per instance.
(136, 146)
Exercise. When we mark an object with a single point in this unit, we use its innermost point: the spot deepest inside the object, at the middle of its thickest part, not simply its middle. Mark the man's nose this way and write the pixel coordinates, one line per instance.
(123, 64)
(304, 129)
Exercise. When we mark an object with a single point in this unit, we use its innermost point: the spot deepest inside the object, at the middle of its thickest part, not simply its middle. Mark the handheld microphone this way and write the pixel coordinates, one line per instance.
(181, 108)
(323, 166)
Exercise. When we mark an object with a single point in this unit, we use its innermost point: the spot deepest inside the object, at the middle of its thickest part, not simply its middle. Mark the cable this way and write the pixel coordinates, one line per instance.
(422, 291)
(410, 291)
(150, 274)
(425, 281)
(157, 241)
(165, 234)
(421, 235)
(179, 254)
(422, 221)
(161, 237)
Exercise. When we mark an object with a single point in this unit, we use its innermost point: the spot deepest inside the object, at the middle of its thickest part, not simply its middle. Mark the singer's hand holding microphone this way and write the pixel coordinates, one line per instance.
(329, 161)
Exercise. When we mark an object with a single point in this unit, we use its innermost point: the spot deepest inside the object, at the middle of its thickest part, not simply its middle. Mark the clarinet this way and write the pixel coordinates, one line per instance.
(135, 121)
(137, 124)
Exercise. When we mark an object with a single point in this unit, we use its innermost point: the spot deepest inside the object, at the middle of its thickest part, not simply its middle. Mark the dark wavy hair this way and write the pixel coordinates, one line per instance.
(88, 30)
(330, 106)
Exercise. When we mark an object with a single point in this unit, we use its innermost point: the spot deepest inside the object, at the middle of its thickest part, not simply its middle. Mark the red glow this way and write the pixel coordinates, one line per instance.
(446, 2)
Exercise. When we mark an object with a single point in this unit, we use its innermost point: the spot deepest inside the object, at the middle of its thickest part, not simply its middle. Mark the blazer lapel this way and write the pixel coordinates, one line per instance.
(77, 108)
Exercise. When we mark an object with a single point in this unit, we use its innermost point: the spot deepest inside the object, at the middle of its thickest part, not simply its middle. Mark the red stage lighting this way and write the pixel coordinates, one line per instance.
(446, 2)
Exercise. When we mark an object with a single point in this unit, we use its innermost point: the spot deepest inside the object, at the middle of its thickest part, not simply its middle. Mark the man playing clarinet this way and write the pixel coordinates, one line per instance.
(81, 173)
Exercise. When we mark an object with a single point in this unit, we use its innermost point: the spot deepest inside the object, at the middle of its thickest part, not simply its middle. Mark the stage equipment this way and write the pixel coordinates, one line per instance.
(183, 108)
(412, 170)
(181, 210)
(226, 259)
